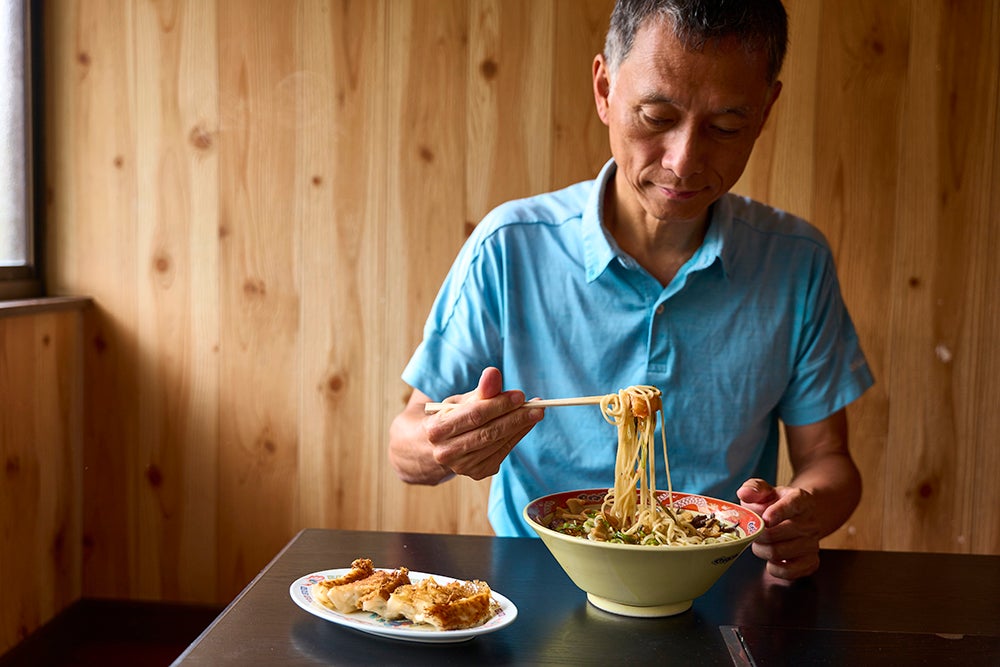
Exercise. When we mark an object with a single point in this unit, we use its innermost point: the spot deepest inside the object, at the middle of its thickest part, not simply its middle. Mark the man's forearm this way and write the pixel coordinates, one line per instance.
(835, 483)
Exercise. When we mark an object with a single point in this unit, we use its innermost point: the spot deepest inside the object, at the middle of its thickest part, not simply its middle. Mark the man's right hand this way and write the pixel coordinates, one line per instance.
(471, 439)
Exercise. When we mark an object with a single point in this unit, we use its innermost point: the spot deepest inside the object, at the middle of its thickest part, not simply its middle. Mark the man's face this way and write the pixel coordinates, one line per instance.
(681, 124)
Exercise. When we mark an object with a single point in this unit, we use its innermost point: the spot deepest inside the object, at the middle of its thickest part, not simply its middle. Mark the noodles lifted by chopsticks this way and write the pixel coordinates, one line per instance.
(633, 410)
(635, 517)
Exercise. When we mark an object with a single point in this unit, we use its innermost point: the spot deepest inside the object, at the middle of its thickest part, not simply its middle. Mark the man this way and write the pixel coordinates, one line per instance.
(652, 274)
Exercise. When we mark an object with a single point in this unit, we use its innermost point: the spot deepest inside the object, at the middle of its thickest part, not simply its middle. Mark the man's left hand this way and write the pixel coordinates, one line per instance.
(790, 540)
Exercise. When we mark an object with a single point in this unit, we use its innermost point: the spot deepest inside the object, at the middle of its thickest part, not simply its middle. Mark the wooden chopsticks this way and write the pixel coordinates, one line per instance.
(431, 408)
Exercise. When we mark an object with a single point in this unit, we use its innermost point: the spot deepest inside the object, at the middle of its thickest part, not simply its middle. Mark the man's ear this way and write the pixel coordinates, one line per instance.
(602, 86)
(773, 97)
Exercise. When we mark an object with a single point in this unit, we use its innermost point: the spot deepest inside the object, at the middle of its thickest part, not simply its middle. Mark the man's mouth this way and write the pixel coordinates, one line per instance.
(679, 194)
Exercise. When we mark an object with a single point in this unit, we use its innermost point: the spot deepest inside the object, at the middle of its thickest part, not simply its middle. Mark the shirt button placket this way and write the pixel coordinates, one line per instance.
(658, 345)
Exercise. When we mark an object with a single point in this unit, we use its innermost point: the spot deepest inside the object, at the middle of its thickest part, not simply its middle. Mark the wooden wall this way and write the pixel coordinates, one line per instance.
(41, 523)
(263, 196)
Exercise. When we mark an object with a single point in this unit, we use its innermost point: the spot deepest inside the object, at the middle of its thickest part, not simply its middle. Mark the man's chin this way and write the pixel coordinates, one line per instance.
(691, 211)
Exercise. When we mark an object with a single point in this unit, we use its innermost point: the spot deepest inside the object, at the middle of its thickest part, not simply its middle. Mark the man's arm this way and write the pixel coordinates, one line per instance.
(822, 465)
(824, 491)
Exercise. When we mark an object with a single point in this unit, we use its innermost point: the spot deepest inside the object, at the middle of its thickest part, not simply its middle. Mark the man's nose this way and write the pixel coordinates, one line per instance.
(683, 152)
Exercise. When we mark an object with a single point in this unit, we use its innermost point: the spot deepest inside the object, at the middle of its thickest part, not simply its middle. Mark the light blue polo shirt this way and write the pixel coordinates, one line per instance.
(751, 330)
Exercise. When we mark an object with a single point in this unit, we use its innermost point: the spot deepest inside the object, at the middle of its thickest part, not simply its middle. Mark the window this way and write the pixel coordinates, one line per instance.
(19, 276)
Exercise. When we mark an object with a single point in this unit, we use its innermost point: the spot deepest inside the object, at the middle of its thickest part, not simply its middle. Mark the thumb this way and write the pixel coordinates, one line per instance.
(490, 383)
(756, 492)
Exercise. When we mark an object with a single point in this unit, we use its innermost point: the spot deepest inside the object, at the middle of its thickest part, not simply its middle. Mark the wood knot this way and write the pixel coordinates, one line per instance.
(200, 138)
(46, 340)
(317, 180)
(119, 162)
(13, 465)
(254, 287)
(489, 68)
(914, 282)
(334, 383)
(83, 58)
(266, 442)
(426, 154)
(100, 344)
(926, 490)
(161, 263)
(154, 475)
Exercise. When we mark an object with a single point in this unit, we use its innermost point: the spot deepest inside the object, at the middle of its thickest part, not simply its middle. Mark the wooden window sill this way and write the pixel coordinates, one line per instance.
(15, 307)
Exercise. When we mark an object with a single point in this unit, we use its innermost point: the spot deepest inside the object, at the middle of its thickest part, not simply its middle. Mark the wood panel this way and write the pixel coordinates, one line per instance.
(262, 198)
(41, 521)
(983, 419)
(944, 363)
(509, 103)
(340, 188)
(97, 105)
(259, 298)
(177, 317)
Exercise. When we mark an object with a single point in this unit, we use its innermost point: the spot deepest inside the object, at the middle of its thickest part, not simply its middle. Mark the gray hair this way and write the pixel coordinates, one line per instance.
(759, 25)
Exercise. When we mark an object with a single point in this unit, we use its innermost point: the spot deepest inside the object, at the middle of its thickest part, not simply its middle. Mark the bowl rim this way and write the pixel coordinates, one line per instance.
(539, 528)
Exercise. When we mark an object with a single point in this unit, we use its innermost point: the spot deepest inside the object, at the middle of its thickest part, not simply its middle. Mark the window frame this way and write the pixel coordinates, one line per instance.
(23, 282)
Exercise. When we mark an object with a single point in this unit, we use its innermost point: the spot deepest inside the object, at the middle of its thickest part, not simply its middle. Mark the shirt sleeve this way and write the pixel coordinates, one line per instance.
(829, 369)
(463, 332)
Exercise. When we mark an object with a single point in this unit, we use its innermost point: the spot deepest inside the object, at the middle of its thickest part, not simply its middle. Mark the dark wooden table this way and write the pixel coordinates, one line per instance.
(862, 607)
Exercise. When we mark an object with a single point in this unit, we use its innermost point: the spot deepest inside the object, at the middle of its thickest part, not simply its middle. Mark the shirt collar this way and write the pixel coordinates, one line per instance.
(714, 246)
(599, 247)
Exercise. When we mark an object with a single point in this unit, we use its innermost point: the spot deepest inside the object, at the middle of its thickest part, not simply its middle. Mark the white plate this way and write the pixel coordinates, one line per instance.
(401, 629)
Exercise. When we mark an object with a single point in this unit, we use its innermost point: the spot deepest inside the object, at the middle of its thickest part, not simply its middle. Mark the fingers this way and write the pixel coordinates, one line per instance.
(474, 438)
(789, 554)
(756, 492)
(490, 386)
(485, 462)
(790, 541)
(794, 566)
(473, 415)
(795, 506)
(792, 529)
(784, 547)
(776, 504)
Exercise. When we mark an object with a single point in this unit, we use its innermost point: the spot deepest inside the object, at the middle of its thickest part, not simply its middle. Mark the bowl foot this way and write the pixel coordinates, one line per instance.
(639, 612)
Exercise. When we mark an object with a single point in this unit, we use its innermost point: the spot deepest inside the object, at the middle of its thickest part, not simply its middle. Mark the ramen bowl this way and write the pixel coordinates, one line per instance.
(638, 580)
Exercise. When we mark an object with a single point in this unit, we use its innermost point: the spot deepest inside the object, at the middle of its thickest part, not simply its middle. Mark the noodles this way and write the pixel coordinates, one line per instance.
(633, 517)
(633, 410)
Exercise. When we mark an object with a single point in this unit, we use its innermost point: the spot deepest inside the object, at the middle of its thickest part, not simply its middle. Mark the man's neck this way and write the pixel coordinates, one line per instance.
(661, 247)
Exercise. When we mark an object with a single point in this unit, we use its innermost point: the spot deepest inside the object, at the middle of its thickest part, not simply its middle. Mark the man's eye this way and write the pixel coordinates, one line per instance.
(727, 131)
(655, 121)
